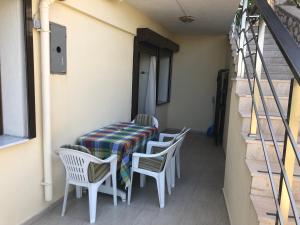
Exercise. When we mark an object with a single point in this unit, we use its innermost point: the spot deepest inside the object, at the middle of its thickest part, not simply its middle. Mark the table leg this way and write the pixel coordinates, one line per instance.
(107, 189)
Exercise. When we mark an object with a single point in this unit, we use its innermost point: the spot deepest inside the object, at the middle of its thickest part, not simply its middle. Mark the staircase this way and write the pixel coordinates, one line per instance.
(261, 196)
(262, 207)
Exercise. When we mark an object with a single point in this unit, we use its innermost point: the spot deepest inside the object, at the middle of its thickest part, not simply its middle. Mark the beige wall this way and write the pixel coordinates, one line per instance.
(194, 80)
(95, 92)
(232, 74)
(237, 181)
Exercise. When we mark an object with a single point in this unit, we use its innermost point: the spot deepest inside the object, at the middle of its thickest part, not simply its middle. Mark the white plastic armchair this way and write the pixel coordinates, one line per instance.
(175, 164)
(154, 122)
(149, 150)
(162, 136)
(141, 163)
(77, 164)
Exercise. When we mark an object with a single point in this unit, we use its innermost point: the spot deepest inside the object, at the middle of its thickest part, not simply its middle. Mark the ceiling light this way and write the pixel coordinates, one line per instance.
(187, 19)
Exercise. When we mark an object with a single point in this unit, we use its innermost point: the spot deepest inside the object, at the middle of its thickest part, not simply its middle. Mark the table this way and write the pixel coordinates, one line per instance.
(121, 139)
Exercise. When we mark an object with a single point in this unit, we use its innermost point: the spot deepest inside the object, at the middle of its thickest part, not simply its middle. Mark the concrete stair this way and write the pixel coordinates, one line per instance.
(246, 104)
(254, 149)
(275, 62)
(282, 87)
(261, 196)
(262, 209)
(261, 185)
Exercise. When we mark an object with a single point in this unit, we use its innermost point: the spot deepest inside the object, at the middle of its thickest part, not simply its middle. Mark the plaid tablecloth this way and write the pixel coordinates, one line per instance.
(121, 139)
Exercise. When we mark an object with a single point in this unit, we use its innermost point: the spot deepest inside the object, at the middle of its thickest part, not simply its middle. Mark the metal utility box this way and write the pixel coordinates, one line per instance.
(58, 49)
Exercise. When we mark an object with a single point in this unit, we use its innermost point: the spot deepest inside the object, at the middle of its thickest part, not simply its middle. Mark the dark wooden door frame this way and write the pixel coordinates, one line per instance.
(169, 78)
(147, 38)
(29, 70)
(28, 27)
(139, 48)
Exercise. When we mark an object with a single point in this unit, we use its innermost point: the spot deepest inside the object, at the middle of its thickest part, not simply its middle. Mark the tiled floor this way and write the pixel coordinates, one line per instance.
(196, 200)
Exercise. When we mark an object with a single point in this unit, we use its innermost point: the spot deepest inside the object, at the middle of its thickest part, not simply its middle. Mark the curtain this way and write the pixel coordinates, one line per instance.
(150, 103)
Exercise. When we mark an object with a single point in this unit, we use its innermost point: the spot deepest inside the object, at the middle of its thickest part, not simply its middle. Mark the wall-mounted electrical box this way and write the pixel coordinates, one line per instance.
(58, 49)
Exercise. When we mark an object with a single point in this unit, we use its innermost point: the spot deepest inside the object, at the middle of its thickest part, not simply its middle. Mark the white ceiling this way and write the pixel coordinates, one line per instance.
(212, 16)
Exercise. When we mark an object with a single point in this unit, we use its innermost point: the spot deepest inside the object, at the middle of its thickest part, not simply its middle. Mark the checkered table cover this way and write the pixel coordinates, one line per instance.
(121, 139)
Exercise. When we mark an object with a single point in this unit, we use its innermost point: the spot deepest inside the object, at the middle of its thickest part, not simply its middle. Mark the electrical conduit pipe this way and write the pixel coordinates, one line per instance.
(45, 73)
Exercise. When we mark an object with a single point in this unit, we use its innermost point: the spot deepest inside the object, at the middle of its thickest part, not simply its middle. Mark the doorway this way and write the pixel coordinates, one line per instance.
(147, 84)
(152, 68)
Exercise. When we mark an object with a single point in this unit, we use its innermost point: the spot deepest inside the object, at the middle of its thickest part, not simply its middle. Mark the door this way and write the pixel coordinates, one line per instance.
(143, 75)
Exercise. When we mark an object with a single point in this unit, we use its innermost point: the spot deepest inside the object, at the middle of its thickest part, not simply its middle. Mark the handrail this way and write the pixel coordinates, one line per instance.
(297, 2)
(274, 139)
(264, 146)
(284, 40)
(291, 53)
(277, 102)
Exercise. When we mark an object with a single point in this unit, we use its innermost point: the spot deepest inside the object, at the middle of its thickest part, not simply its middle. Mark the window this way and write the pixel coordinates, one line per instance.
(17, 114)
(164, 76)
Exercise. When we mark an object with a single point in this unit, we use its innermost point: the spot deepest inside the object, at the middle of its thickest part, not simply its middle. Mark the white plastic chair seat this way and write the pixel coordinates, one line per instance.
(152, 164)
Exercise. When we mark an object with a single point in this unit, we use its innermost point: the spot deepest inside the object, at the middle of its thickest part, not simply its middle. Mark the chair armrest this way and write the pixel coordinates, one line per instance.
(111, 159)
(142, 155)
(162, 136)
(152, 144)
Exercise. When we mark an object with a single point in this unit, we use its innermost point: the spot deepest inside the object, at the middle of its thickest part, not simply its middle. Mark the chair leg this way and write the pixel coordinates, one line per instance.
(130, 189)
(158, 189)
(173, 172)
(93, 191)
(65, 199)
(142, 180)
(114, 184)
(78, 192)
(168, 178)
(161, 179)
(178, 165)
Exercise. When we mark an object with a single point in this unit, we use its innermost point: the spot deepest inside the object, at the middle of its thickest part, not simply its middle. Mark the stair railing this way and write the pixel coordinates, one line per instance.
(245, 35)
(297, 2)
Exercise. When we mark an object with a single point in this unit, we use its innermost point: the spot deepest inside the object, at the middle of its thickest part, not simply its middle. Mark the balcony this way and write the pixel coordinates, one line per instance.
(196, 199)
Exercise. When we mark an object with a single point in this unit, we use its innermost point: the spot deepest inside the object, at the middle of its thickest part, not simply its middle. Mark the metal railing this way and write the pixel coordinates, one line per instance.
(251, 64)
(297, 2)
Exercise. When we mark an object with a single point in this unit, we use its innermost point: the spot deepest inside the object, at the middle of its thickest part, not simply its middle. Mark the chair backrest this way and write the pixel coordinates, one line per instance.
(181, 138)
(76, 164)
(182, 133)
(171, 150)
(146, 120)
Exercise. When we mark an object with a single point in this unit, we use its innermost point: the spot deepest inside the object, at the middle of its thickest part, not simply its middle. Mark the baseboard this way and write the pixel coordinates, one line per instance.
(226, 203)
(45, 211)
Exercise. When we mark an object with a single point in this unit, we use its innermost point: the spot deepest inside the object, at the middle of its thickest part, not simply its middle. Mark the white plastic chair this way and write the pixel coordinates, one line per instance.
(175, 163)
(159, 174)
(155, 122)
(77, 164)
(149, 150)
